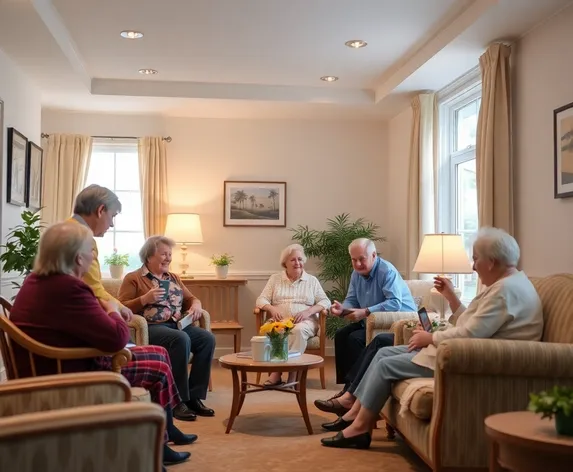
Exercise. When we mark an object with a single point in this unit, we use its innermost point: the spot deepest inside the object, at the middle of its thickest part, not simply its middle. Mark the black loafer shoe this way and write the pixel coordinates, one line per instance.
(183, 413)
(362, 441)
(171, 457)
(197, 407)
(331, 406)
(184, 439)
(337, 425)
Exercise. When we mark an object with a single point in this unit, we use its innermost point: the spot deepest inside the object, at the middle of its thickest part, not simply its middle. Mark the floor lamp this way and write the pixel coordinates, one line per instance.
(442, 254)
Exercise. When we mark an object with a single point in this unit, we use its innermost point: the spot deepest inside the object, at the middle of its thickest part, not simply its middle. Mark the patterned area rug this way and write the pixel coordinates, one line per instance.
(270, 435)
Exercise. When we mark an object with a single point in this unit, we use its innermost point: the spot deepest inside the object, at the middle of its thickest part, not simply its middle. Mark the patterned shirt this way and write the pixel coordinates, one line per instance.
(292, 297)
(170, 306)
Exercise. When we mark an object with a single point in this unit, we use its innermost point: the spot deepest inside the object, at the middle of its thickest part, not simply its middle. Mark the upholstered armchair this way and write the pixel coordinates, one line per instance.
(71, 422)
(316, 344)
(138, 324)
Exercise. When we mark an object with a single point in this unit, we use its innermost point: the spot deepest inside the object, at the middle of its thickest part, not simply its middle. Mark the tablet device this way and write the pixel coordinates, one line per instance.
(425, 320)
(164, 284)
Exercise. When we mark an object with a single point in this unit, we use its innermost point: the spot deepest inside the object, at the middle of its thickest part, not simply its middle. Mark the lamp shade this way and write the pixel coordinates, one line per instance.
(442, 254)
(184, 228)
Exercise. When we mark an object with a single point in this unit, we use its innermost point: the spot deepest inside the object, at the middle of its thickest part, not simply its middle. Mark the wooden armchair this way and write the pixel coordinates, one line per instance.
(10, 334)
(44, 422)
(316, 345)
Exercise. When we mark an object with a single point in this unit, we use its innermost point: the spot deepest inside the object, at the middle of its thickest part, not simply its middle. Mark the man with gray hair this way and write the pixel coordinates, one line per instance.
(375, 285)
(96, 207)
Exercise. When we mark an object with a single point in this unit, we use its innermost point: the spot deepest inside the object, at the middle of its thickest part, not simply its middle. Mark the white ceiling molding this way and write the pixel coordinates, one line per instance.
(455, 22)
(158, 88)
(53, 21)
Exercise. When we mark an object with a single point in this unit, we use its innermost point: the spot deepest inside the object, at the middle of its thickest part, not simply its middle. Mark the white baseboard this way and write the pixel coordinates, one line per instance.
(221, 351)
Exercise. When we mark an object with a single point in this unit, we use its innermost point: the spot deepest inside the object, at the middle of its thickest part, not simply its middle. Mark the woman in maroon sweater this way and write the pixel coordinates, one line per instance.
(56, 308)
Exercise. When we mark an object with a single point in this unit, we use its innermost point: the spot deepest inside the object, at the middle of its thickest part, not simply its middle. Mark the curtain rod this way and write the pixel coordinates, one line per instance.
(166, 138)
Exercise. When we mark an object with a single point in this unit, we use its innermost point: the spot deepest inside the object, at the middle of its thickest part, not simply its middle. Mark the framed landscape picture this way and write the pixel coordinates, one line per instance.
(248, 203)
(563, 144)
(34, 178)
(17, 167)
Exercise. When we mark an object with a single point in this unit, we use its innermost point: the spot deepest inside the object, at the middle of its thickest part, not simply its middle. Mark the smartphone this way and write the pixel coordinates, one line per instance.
(164, 284)
(346, 312)
(425, 320)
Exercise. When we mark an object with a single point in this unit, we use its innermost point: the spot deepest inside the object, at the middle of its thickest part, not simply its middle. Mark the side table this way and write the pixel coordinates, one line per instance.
(522, 442)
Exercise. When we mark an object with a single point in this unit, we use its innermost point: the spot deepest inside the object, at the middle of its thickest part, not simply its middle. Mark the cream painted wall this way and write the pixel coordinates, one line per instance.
(543, 72)
(22, 110)
(330, 168)
(399, 132)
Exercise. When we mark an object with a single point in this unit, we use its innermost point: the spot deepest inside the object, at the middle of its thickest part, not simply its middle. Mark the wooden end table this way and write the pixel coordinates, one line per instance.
(241, 365)
(521, 441)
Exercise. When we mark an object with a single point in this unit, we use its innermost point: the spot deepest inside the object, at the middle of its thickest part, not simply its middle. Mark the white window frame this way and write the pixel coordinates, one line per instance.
(115, 146)
(452, 98)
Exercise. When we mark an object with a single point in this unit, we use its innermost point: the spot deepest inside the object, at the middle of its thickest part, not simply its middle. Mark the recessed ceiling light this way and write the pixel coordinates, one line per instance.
(128, 34)
(356, 43)
(329, 78)
(147, 71)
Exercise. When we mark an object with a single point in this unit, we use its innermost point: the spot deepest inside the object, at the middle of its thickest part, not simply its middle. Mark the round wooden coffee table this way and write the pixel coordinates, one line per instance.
(522, 442)
(240, 365)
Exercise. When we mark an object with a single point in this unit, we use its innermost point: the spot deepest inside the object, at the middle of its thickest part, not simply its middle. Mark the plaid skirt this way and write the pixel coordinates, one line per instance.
(149, 368)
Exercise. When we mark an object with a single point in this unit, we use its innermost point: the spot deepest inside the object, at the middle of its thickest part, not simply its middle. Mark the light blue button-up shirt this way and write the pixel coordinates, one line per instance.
(382, 290)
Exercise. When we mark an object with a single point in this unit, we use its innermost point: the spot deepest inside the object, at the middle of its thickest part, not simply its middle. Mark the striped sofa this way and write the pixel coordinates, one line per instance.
(475, 378)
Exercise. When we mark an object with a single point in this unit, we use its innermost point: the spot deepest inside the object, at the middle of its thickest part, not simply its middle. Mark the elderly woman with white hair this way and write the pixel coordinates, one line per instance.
(507, 308)
(293, 293)
(162, 299)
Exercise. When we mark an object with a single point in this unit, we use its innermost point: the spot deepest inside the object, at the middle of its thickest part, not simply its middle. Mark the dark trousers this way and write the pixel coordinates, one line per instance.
(179, 345)
(361, 366)
(349, 342)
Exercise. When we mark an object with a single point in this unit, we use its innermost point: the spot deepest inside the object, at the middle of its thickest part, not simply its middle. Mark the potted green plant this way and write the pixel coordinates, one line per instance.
(330, 247)
(116, 263)
(558, 403)
(221, 263)
(21, 246)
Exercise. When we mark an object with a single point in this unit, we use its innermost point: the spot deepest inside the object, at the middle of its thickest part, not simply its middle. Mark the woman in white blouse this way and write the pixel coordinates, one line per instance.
(293, 293)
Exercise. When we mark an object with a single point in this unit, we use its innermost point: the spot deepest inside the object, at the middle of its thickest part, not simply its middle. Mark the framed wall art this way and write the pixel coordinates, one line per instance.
(252, 203)
(34, 177)
(563, 149)
(17, 167)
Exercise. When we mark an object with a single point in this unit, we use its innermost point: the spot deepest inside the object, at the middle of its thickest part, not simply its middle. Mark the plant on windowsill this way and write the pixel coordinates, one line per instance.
(221, 263)
(21, 246)
(558, 403)
(116, 263)
(330, 247)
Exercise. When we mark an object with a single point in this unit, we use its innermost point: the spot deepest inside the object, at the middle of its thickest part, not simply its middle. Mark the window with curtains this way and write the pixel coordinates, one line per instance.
(115, 165)
(457, 208)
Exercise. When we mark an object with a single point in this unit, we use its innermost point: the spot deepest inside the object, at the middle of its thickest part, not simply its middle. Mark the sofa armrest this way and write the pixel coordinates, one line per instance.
(507, 358)
(138, 329)
(383, 320)
(475, 378)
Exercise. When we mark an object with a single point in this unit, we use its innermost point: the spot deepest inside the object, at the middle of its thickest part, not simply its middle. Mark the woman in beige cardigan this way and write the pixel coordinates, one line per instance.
(162, 299)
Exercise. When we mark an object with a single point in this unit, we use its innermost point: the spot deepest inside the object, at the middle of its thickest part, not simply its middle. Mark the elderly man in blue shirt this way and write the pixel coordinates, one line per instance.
(375, 285)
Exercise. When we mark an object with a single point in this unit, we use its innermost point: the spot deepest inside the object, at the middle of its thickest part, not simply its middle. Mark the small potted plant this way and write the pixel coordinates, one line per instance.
(116, 263)
(556, 402)
(221, 264)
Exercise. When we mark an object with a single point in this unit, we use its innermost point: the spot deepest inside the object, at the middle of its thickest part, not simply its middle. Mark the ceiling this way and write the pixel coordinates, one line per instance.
(254, 58)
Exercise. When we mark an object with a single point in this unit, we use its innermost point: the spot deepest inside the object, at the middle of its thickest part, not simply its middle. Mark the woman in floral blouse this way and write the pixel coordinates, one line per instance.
(161, 298)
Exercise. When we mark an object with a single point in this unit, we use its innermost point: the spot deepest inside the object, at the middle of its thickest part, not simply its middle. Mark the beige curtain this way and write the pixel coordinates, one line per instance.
(422, 183)
(66, 165)
(493, 147)
(153, 183)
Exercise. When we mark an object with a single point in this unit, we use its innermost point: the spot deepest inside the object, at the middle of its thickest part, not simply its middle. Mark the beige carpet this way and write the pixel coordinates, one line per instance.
(270, 435)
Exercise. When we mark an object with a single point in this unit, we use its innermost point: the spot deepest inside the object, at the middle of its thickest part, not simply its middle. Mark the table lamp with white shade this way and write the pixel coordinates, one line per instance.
(184, 229)
(442, 254)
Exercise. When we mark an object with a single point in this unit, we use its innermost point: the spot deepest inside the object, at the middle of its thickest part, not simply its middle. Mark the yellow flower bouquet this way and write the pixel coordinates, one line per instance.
(278, 332)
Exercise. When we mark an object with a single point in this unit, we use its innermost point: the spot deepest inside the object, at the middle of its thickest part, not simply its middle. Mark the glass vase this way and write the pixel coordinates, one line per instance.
(279, 348)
